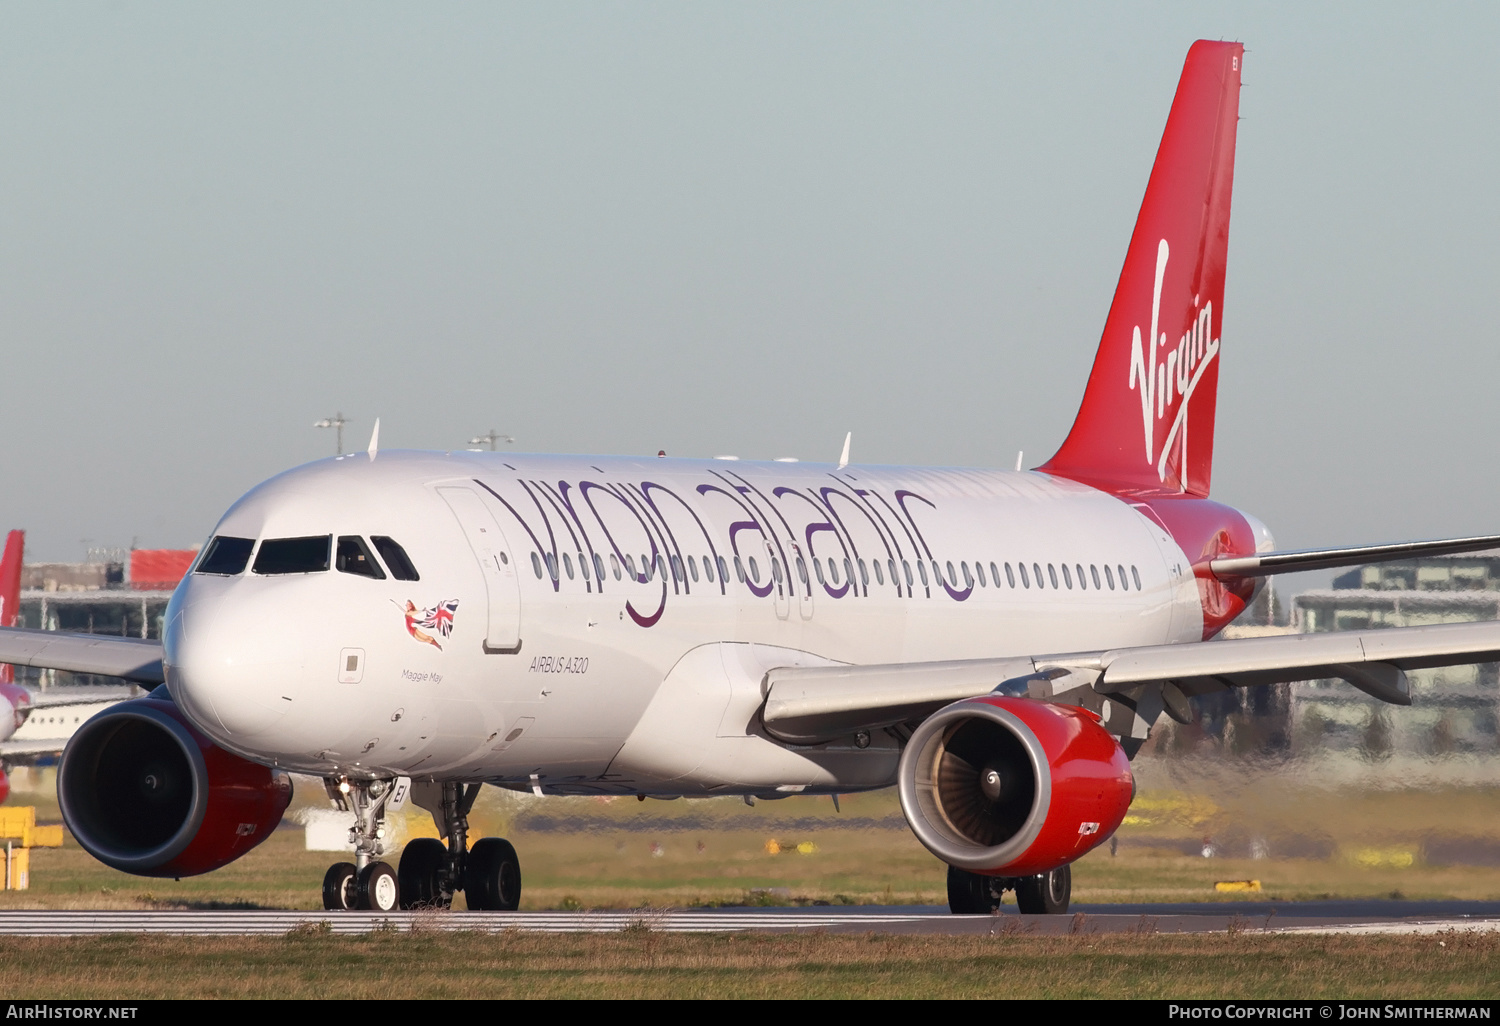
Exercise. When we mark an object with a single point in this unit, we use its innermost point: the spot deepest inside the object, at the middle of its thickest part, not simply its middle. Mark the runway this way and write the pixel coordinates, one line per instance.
(1366, 917)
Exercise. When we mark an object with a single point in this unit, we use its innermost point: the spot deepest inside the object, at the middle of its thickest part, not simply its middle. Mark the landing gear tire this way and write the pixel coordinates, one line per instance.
(974, 894)
(423, 875)
(493, 874)
(379, 890)
(1047, 894)
(339, 890)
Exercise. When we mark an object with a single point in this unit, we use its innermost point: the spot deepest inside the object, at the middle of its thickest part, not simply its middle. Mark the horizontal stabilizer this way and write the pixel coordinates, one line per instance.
(132, 659)
(1265, 564)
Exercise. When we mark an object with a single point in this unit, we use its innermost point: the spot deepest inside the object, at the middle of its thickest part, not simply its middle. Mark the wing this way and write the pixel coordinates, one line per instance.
(1128, 687)
(99, 696)
(21, 751)
(132, 659)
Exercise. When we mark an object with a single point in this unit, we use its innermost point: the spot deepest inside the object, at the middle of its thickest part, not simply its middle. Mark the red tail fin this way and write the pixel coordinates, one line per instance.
(1147, 419)
(10, 578)
(10, 591)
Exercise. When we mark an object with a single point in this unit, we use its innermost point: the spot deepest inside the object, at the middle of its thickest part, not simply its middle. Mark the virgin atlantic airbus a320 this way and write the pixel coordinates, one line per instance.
(997, 645)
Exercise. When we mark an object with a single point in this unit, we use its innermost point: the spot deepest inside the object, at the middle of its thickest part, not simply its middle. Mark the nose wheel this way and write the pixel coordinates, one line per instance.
(340, 887)
(378, 888)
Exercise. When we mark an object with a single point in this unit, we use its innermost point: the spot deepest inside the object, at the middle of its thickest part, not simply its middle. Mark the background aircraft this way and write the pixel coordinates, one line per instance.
(40, 722)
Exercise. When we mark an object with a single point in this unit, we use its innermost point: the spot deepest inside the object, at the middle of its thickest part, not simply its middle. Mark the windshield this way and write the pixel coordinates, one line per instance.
(354, 557)
(226, 556)
(293, 555)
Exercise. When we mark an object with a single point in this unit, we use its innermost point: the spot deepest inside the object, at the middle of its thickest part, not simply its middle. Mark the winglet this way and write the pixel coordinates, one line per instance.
(374, 440)
(844, 456)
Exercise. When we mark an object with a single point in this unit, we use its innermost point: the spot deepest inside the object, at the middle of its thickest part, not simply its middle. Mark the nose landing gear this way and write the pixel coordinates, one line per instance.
(366, 883)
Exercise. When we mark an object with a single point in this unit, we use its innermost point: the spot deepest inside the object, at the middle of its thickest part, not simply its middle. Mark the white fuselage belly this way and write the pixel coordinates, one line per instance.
(629, 685)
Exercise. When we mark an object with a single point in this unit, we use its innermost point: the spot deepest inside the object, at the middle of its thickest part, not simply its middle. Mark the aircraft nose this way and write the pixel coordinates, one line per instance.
(232, 666)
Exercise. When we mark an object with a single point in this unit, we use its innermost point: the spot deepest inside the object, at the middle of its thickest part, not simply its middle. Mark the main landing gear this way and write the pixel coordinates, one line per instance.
(977, 894)
(430, 872)
(489, 874)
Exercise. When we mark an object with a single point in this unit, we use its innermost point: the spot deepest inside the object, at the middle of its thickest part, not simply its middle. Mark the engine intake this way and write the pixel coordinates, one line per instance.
(1013, 786)
(144, 792)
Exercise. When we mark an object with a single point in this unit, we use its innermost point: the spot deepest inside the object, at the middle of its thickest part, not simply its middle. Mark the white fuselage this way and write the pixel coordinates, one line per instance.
(533, 670)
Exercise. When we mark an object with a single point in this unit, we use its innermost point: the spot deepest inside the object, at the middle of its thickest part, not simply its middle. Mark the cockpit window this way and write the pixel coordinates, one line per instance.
(354, 557)
(395, 557)
(293, 555)
(226, 556)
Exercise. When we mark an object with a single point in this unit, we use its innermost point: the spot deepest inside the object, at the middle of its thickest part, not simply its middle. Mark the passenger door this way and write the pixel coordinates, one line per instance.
(497, 563)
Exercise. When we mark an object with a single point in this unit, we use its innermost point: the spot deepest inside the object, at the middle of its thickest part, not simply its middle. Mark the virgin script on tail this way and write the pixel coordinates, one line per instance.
(1176, 377)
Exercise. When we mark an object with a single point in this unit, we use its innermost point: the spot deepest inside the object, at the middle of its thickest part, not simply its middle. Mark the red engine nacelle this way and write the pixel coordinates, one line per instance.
(144, 792)
(1013, 786)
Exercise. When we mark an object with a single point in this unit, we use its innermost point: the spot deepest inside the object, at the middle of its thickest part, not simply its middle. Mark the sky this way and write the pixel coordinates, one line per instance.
(722, 228)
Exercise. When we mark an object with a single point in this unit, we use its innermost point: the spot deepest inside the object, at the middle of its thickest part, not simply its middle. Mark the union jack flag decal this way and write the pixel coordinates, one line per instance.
(438, 619)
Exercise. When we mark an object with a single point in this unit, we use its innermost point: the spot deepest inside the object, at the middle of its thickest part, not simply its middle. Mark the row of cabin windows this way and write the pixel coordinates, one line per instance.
(682, 569)
(227, 557)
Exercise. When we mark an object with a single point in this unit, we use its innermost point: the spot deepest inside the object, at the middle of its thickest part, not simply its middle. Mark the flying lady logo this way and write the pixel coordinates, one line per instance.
(438, 619)
(1167, 386)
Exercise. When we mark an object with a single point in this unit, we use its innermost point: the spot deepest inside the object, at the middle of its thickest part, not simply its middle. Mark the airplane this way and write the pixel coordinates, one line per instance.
(995, 644)
(26, 734)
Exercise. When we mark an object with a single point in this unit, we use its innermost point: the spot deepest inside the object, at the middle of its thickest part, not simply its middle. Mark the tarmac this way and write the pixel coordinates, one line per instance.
(1325, 917)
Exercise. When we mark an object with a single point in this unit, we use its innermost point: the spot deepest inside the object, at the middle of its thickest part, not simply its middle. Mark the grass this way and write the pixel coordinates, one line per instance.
(641, 963)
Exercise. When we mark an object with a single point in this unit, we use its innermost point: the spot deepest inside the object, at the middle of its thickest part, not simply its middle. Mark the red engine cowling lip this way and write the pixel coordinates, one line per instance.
(1079, 745)
(156, 712)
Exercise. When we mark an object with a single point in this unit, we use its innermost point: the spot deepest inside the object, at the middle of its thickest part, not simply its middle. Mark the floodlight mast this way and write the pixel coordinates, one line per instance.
(491, 438)
(336, 422)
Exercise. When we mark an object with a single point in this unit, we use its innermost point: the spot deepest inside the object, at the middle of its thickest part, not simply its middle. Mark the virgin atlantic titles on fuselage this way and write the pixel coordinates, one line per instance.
(414, 625)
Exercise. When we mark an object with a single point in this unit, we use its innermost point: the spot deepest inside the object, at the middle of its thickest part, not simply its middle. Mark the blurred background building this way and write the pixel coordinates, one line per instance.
(113, 591)
(1455, 711)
